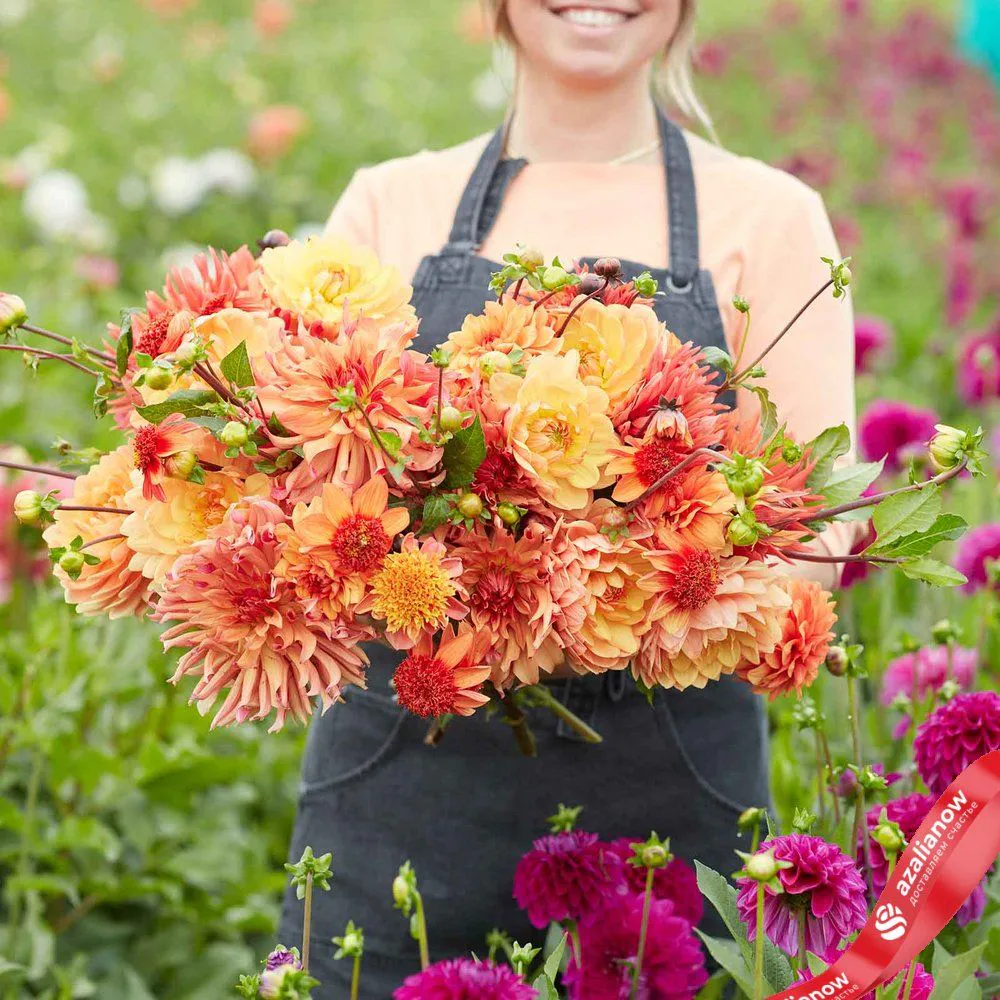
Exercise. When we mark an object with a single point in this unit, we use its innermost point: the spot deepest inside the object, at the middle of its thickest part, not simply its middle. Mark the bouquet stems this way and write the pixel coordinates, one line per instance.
(546, 699)
(646, 899)
(307, 921)
(758, 966)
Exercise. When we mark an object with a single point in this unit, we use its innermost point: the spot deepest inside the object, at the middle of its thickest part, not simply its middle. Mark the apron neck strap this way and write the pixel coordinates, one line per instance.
(682, 204)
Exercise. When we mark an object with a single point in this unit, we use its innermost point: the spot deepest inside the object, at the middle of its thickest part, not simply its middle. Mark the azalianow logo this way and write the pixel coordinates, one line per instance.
(890, 922)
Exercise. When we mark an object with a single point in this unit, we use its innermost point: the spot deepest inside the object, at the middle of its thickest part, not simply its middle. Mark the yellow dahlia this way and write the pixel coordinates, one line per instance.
(557, 428)
(111, 587)
(614, 344)
(506, 326)
(159, 531)
(337, 542)
(245, 631)
(417, 590)
(322, 277)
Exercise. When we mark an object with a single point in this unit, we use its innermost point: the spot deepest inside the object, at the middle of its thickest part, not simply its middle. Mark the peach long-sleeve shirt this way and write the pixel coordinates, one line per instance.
(762, 235)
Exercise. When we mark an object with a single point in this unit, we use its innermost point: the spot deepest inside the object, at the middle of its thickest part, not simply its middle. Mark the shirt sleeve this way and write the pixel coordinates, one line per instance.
(810, 373)
(354, 218)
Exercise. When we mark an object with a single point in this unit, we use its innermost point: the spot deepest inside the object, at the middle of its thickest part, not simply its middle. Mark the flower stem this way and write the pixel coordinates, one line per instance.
(820, 778)
(685, 463)
(103, 538)
(828, 757)
(96, 510)
(573, 311)
(307, 920)
(758, 965)
(814, 557)
(554, 705)
(48, 356)
(518, 723)
(801, 955)
(425, 958)
(574, 941)
(376, 437)
(440, 394)
(40, 469)
(59, 338)
(860, 821)
(908, 982)
(356, 977)
(643, 927)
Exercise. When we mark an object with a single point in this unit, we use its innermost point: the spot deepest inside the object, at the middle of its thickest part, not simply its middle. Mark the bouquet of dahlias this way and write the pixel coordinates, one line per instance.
(559, 485)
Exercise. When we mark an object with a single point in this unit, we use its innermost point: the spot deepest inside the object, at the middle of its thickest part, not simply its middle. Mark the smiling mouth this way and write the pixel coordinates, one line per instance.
(593, 17)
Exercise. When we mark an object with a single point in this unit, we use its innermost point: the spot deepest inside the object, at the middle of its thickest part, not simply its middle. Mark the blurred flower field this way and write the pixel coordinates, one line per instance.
(141, 854)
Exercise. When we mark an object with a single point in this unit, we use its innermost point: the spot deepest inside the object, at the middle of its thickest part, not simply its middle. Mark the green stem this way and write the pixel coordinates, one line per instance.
(828, 757)
(518, 722)
(425, 959)
(758, 967)
(646, 902)
(859, 815)
(801, 954)
(377, 438)
(356, 977)
(27, 839)
(820, 779)
(908, 982)
(59, 338)
(48, 356)
(307, 921)
(743, 342)
(545, 698)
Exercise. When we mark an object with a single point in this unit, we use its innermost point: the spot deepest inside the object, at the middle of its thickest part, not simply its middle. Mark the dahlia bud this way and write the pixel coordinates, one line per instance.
(187, 352)
(531, 258)
(404, 889)
(615, 519)
(608, 267)
(282, 956)
(945, 632)
(13, 312)
(654, 856)
(762, 866)
(273, 980)
(521, 957)
(948, 447)
(888, 835)
(440, 357)
(837, 661)
(274, 238)
(450, 419)
(494, 361)
(751, 818)
(181, 464)
(469, 506)
(744, 530)
(744, 476)
(28, 507)
(591, 284)
(791, 452)
(159, 378)
(646, 285)
(351, 944)
(234, 434)
(554, 277)
(949, 689)
(71, 562)
(509, 513)
(740, 304)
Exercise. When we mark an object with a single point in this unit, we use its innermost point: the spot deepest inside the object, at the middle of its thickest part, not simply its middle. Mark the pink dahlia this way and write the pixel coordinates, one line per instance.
(565, 876)
(676, 881)
(465, 979)
(926, 669)
(976, 551)
(823, 881)
(979, 366)
(894, 430)
(955, 735)
(921, 988)
(872, 336)
(673, 964)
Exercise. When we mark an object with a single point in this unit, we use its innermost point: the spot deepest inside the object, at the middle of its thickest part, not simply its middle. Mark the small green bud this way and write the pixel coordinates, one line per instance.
(653, 853)
(531, 258)
(740, 304)
(947, 447)
(803, 821)
(751, 818)
(509, 513)
(646, 285)
(450, 420)
(159, 378)
(28, 507)
(71, 562)
(401, 892)
(949, 689)
(837, 661)
(351, 944)
(945, 632)
(564, 819)
(845, 275)
(744, 476)
(13, 313)
(187, 353)
(181, 464)
(888, 835)
(494, 361)
(469, 505)
(440, 357)
(791, 452)
(743, 530)
(521, 957)
(554, 278)
(762, 866)
(234, 434)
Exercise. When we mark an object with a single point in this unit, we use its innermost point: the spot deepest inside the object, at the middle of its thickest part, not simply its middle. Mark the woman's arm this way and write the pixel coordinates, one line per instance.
(354, 218)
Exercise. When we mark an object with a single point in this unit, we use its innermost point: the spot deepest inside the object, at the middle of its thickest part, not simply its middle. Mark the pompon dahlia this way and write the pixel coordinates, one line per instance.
(924, 670)
(446, 680)
(111, 587)
(673, 963)
(676, 881)
(805, 640)
(304, 383)
(955, 735)
(465, 979)
(505, 326)
(977, 551)
(711, 612)
(321, 277)
(557, 429)
(417, 590)
(337, 542)
(823, 881)
(508, 582)
(245, 631)
(872, 337)
(979, 366)
(614, 344)
(894, 431)
(566, 876)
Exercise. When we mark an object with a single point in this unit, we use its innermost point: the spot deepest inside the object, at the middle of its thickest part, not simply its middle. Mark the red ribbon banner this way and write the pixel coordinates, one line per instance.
(946, 858)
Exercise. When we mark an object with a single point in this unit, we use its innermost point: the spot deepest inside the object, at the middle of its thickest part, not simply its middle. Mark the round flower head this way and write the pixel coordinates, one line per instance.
(979, 366)
(675, 881)
(894, 430)
(321, 277)
(673, 964)
(639, 464)
(872, 336)
(111, 587)
(565, 876)
(446, 680)
(918, 673)
(976, 551)
(822, 880)
(806, 635)
(955, 735)
(508, 327)
(282, 956)
(417, 590)
(921, 988)
(694, 506)
(465, 979)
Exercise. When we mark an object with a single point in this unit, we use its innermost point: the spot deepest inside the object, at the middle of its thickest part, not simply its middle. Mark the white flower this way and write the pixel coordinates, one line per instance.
(132, 192)
(229, 171)
(56, 202)
(13, 12)
(178, 185)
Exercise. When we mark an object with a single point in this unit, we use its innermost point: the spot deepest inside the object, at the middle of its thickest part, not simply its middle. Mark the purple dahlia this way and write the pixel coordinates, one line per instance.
(915, 674)
(955, 735)
(676, 881)
(894, 430)
(975, 552)
(465, 979)
(872, 335)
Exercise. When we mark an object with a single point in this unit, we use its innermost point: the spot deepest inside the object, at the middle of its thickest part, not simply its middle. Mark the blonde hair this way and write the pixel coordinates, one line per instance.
(673, 76)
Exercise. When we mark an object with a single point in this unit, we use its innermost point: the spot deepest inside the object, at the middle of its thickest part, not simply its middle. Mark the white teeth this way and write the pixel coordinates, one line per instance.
(590, 17)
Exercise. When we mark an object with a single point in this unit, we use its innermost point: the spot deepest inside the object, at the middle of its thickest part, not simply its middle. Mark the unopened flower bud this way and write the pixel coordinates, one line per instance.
(888, 835)
(450, 419)
(274, 238)
(494, 361)
(615, 519)
(469, 505)
(181, 464)
(837, 661)
(745, 476)
(28, 507)
(654, 856)
(791, 452)
(743, 530)
(159, 378)
(72, 562)
(234, 434)
(554, 277)
(762, 866)
(608, 267)
(591, 283)
(947, 447)
(186, 352)
(751, 818)
(740, 304)
(508, 513)
(401, 895)
(845, 275)
(944, 632)
(13, 312)
(531, 258)
(272, 979)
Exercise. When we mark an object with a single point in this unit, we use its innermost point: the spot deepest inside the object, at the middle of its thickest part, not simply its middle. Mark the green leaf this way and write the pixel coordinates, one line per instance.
(768, 411)
(717, 358)
(846, 485)
(953, 972)
(188, 402)
(946, 528)
(124, 346)
(236, 366)
(715, 988)
(392, 443)
(554, 962)
(906, 513)
(209, 421)
(730, 958)
(824, 450)
(437, 509)
(936, 573)
(463, 455)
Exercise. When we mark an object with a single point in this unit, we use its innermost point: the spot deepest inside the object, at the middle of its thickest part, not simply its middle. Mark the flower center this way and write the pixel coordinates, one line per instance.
(328, 284)
(215, 304)
(411, 591)
(493, 596)
(613, 595)
(144, 446)
(425, 686)
(498, 471)
(151, 341)
(252, 606)
(696, 581)
(361, 543)
(657, 457)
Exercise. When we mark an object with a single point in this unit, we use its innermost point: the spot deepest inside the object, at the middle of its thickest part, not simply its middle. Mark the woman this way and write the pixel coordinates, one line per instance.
(579, 171)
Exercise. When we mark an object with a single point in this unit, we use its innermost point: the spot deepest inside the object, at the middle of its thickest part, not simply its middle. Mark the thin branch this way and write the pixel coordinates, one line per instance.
(579, 305)
(686, 463)
(59, 338)
(858, 558)
(40, 469)
(49, 356)
(96, 510)
(103, 538)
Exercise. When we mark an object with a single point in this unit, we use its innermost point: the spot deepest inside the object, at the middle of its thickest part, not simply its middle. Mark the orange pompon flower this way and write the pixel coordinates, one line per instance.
(445, 681)
(245, 631)
(506, 326)
(307, 383)
(110, 587)
(337, 542)
(417, 590)
(805, 640)
(153, 445)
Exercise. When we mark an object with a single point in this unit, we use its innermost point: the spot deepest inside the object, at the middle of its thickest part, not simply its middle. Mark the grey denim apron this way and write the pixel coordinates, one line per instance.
(465, 811)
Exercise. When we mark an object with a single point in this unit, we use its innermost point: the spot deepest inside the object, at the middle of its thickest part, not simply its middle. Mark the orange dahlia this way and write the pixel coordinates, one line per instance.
(640, 463)
(337, 542)
(245, 631)
(694, 506)
(805, 640)
(154, 444)
(502, 326)
(445, 681)
(417, 590)
(111, 587)
(215, 281)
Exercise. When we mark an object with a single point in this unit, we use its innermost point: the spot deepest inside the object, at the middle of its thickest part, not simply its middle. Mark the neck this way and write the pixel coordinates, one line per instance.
(557, 122)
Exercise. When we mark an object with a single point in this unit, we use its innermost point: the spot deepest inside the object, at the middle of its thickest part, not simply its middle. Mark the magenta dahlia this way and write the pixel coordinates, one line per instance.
(894, 430)
(676, 881)
(922, 988)
(282, 956)
(979, 366)
(956, 734)
(915, 674)
(565, 876)
(872, 335)
(975, 552)
(465, 979)
(673, 964)
(823, 881)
